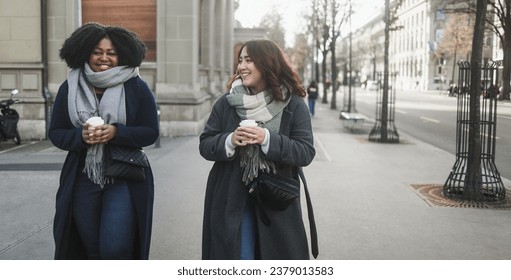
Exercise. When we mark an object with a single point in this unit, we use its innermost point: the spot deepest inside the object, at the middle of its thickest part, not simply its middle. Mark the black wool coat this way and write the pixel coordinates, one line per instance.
(226, 195)
(141, 130)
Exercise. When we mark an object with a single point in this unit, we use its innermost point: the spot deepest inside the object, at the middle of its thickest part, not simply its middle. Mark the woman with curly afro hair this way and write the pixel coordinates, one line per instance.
(98, 217)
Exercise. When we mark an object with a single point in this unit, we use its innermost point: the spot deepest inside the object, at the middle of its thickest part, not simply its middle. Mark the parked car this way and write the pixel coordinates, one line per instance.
(370, 85)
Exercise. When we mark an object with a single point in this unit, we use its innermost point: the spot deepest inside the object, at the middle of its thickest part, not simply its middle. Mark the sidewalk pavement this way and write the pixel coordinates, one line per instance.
(366, 198)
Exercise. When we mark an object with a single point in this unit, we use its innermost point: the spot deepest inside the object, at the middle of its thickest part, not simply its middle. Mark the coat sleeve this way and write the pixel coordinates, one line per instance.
(297, 148)
(62, 133)
(142, 128)
(212, 138)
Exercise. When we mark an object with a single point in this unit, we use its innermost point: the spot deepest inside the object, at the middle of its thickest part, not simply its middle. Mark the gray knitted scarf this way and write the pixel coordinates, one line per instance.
(83, 104)
(262, 108)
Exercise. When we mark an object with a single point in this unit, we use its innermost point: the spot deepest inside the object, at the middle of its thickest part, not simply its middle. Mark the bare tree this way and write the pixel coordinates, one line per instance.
(272, 22)
(376, 53)
(323, 41)
(340, 13)
(299, 53)
(313, 31)
(327, 17)
(382, 129)
(456, 39)
(368, 50)
(498, 20)
(472, 179)
(501, 11)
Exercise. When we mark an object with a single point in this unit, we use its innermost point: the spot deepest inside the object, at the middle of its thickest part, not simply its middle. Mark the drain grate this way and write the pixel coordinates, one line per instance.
(433, 196)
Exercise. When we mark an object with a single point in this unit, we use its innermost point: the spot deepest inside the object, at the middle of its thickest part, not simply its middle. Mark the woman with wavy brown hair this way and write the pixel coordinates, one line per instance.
(267, 94)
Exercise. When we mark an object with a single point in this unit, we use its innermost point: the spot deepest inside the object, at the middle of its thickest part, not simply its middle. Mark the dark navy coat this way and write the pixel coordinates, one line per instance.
(141, 130)
(226, 195)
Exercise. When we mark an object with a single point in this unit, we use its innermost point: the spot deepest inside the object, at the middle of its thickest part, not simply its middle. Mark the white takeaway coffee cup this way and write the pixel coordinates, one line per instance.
(95, 121)
(248, 123)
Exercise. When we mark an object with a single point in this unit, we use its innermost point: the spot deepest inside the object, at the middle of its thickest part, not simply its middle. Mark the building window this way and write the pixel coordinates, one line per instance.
(137, 16)
(439, 34)
(488, 40)
(440, 15)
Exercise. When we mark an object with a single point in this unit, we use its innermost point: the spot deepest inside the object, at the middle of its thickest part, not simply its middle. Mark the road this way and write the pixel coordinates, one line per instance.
(431, 117)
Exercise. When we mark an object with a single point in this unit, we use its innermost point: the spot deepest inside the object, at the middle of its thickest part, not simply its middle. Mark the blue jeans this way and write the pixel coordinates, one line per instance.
(105, 219)
(312, 104)
(248, 232)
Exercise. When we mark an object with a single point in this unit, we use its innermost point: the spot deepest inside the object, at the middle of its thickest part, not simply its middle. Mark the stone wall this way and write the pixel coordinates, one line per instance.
(193, 58)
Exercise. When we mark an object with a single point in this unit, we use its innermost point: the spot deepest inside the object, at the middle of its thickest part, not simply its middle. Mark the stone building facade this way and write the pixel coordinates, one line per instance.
(189, 60)
(412, 50)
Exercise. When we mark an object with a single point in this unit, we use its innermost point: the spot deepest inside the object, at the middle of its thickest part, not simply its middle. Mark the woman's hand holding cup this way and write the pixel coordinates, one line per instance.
(91, 132)
(96, 131)
(248, 133)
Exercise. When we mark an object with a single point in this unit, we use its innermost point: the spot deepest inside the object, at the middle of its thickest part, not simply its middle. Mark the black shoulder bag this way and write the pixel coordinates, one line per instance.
(125, 163)
(277, 192)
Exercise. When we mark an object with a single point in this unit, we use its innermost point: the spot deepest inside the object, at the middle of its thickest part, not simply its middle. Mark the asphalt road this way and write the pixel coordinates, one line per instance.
(431, 117)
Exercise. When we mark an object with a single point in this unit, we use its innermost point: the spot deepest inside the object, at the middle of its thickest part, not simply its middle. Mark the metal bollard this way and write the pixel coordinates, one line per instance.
(48, 100)
(157, 143)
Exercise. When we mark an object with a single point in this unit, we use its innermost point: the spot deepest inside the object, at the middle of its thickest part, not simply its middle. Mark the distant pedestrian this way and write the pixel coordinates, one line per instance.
(312, 92)
(492, 92)
(98, 217)
(451, 89)
(236, 224)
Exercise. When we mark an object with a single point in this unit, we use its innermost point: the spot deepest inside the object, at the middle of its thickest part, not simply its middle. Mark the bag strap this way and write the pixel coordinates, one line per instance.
(310, 213)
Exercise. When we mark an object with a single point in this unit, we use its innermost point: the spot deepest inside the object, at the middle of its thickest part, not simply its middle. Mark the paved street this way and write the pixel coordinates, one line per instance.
(365, 204)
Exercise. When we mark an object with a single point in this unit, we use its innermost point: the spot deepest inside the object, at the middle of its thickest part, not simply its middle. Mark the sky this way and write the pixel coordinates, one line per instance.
(250, 13)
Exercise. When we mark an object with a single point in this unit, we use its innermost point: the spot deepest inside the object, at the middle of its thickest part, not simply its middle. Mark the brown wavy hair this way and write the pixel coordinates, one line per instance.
(274, 66)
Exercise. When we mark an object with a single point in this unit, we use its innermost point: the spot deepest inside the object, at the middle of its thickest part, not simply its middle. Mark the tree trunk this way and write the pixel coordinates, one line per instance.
(453, 68)
(385, 97)
(506, 71)
(374, 69)
(472, 186)
(333, 100)
(350, 59)
(316, 63)
(323, 78)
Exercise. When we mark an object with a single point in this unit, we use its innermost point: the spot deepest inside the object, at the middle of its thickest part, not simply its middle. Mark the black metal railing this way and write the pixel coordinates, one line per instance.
(349, 102)
(384, 130)
(489, 183)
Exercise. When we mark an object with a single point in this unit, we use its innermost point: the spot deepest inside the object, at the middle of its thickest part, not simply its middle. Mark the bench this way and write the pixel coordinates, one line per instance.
(352, 121)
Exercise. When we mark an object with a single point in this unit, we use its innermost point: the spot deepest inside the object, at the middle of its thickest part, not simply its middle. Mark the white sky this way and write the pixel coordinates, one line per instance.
(250, 13)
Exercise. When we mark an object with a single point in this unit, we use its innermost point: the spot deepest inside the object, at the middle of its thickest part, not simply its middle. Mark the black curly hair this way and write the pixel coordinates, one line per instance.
(78, 47)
